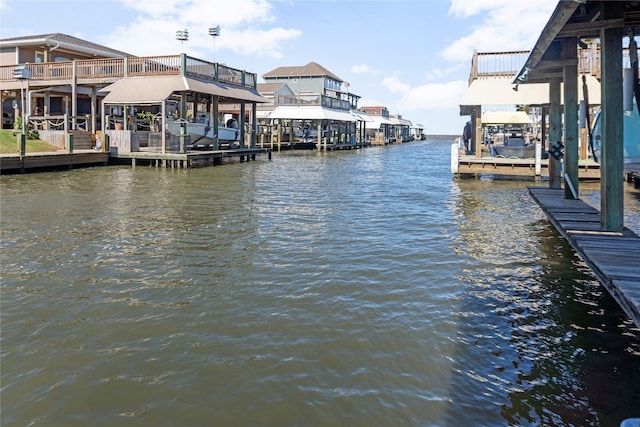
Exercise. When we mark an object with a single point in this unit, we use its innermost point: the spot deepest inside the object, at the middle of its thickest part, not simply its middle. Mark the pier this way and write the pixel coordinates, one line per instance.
(599, 237)
(612, 255)
(533, 168)
(51, 160)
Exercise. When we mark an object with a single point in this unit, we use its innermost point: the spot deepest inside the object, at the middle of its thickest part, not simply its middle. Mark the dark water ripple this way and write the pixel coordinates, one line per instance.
(361, 288)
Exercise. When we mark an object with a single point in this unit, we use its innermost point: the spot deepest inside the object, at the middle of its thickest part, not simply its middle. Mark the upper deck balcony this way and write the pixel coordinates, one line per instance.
(491, 65)
(104, 71)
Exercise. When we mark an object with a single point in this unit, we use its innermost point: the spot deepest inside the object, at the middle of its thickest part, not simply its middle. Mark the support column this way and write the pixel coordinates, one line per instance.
(571, 138)
(611, 182)
(555, 134)
(476, 137)
(215, 125)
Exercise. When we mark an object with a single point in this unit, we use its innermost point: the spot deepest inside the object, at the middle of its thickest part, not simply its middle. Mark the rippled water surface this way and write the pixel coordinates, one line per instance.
(361, 288)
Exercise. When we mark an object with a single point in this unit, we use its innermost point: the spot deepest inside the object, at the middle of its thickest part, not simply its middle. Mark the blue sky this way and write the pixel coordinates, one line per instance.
(412, 56)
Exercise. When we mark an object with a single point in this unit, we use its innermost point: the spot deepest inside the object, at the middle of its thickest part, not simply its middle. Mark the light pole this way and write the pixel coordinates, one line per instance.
(182, 35)
(214, 32)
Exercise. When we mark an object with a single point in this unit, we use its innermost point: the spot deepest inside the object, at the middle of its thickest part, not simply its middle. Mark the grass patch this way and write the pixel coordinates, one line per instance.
(9, 143)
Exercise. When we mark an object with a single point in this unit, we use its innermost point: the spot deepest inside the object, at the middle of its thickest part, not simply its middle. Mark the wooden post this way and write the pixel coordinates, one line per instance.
(477, 131)
(279, 136)
(455, 149)
(538, 166)
(22, 144)
(555, 134)
(570, 77)
(69, 143)
(611, 182)
(319, 135)
(214, 121)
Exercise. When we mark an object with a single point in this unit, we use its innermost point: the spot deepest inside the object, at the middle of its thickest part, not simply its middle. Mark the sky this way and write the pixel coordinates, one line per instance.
(411, 56)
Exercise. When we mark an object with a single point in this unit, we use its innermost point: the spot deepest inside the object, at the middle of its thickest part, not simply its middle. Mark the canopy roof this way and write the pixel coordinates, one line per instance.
(377, 121)
(311, 113)
(155, 89)
(505, 118)
(502, 91)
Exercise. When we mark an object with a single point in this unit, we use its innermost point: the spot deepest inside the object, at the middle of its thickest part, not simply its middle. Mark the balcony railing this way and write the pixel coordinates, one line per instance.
(508, 64)
(314, 100)
(116, 68)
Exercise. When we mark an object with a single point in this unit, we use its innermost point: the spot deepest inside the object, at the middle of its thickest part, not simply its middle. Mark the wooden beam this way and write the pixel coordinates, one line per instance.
(589, 29)
(555, 133)
(570, 51)
(611, 183)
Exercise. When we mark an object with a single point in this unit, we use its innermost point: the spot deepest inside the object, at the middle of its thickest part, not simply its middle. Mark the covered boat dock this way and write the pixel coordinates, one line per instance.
(599, 237)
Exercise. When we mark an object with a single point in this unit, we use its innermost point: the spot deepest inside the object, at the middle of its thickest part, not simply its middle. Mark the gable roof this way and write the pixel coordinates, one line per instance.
(63, 40)
(270, 87)
(311, 69)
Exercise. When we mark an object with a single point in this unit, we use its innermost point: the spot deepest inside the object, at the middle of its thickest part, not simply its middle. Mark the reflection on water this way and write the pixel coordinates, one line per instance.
(356, 288)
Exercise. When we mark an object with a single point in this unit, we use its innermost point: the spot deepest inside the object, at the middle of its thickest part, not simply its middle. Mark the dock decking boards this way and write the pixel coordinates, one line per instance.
(614, 257)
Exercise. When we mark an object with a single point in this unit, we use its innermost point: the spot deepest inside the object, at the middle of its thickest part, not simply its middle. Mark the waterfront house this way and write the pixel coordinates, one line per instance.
(89, 90)
(317, 111)
(379, 130)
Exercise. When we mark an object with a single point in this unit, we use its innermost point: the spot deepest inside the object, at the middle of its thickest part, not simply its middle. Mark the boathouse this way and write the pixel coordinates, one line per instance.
(82, 95)
(507, 129)
(599, 237)
(315, 110)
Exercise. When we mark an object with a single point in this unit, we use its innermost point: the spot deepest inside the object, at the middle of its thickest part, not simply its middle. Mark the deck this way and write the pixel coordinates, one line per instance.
(51, 160)
(612, 256)
(519, 167)
(12, 163)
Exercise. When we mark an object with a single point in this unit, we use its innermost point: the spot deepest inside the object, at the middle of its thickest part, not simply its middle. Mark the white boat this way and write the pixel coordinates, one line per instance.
(202, 132)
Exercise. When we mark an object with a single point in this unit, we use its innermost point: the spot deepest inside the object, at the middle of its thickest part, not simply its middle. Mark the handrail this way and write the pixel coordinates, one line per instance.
(115, 68)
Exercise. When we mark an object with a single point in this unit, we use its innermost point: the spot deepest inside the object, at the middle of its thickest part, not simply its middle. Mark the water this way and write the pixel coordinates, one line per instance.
(363, 288)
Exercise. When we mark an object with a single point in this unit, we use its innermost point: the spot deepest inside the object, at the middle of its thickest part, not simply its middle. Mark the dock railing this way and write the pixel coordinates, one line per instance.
(109, 70)
(507, 64)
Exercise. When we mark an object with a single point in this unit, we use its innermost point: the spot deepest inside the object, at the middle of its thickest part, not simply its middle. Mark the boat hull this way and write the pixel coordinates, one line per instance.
(522, 152)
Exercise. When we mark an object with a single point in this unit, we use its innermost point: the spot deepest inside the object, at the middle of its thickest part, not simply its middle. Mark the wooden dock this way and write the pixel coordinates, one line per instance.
(614, 257)
(11, 163)
(188, 159)
(14, 163)
(473, 165)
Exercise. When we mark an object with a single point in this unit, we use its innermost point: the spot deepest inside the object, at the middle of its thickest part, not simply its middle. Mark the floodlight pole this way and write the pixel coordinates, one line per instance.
(182, 35)
(214, 32)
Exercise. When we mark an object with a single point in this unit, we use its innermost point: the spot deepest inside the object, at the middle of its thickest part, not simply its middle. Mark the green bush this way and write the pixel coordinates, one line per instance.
(29, 130)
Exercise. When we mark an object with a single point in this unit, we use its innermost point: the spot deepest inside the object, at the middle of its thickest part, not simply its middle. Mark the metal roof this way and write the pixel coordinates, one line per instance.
(155, 89)
(502, 92)
(311, 113)
(63, 40)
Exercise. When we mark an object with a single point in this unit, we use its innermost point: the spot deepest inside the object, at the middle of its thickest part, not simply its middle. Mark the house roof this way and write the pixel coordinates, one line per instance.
(64, 40)
(270, 87)
(311, 69)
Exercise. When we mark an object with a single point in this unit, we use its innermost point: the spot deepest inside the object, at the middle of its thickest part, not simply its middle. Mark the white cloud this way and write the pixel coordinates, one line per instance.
(437, 73)
(362, 69)
(426, 96)
(394, 85)
(506, 25)
(243, 28)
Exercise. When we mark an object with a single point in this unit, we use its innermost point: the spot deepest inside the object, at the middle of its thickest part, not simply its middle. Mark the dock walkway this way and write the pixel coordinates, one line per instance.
(51, 160)
(11, 163)
(612, 256)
